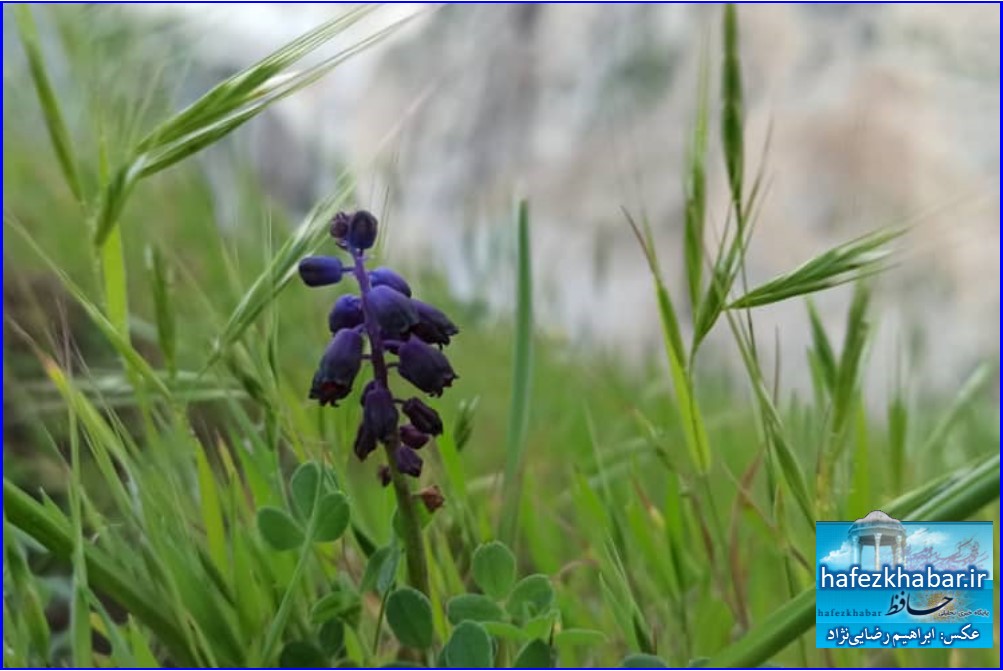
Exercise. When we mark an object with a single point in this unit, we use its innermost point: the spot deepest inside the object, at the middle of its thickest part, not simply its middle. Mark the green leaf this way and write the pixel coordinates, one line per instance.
(303, 487)
(531, 596)
(302, 655)
(332, 637)
(278, 529)
(409, 614)
(333, 513)
(476, 607)
(468, 648)
(494, 569)
(643, 661)
(535, 655)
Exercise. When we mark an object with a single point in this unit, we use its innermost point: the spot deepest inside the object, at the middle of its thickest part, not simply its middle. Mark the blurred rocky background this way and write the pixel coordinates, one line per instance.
(860, 116)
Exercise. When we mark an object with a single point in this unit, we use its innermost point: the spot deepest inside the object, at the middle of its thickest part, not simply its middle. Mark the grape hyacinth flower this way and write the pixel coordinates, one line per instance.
(394, 324)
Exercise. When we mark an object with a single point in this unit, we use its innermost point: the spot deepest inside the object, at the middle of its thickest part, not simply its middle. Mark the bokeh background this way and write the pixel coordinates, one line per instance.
(862, 116)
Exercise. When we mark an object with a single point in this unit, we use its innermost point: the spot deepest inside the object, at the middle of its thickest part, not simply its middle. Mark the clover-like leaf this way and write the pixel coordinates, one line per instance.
(303, 488)
(476, 607)
(494, 569)
(409, 614)
(531, 596)
(333, 513)
(278, 529)
(468, 648)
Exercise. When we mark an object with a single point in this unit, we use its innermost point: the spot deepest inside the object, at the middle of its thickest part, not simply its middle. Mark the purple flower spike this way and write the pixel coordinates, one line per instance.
(425, 367)
(423, 417)
(338, 368)
(384, 277)
(365, 442)
(394, 312)
(379, 413)
(361, 230)
(318, 271)
(433, 325)
(408, 461)
(346, 314)
(412, 437)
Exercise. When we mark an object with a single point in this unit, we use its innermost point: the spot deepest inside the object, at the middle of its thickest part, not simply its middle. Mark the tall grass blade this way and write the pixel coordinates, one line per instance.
(522, 373)
(54, 123)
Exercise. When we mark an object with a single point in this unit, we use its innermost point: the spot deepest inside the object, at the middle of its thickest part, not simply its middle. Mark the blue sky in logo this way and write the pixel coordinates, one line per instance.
(933, 538)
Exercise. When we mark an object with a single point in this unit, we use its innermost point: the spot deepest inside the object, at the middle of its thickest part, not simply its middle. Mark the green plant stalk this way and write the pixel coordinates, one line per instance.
(410, 526)
(27, 515)
(962, 497)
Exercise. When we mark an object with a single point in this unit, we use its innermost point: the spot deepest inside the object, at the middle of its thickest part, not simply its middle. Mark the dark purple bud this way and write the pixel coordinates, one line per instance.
(346, 314)
(365, 442)
(384, 277)
(339, 225)
(383, 473)
(338, 368)
(433, 325)
(393, 311)
(372, 384)
(379, 413)
(408, 461)
(361, 230)
(423, 417)
(431, 497)
(318, 271)
(412, 437)
(425, 367)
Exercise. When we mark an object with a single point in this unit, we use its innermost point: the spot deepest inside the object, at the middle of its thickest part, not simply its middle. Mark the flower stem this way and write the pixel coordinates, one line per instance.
(410, 523)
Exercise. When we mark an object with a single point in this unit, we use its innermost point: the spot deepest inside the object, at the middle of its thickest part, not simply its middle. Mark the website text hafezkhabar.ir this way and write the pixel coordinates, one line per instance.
(898, 578)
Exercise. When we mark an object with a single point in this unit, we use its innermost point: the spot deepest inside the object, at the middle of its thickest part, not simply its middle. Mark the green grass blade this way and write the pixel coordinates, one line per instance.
(160, 279)
(522, 373)
(37, 521)
(974, 384)
(58, 134)
(821, 347)
(854, 260)
(696, 191)
(133, 359)
(732, 140)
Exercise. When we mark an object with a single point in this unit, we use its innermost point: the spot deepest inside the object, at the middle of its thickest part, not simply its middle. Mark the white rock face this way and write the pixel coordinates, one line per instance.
(880, 115)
